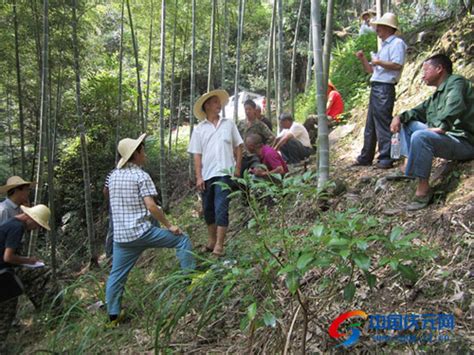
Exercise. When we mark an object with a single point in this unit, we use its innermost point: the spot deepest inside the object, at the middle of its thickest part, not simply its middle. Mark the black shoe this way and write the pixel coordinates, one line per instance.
(358, 163)
(381, 165)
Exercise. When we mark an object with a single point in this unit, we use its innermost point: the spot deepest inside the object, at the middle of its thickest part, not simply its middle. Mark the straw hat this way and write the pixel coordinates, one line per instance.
(370, 13)
(126, 147)
(39, 213)
(13, 182)
(388, 19)
(198, 110)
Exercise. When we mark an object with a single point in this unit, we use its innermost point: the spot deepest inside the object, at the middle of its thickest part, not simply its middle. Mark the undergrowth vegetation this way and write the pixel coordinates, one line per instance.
(273, 262)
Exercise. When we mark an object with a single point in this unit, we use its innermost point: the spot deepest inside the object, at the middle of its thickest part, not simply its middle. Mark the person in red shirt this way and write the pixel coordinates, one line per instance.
(268, 156)
(335, 105)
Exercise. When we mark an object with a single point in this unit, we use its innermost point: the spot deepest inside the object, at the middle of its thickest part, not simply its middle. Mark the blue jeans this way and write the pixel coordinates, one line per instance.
(420, 145)
(377, 126)
(127, 254)
(215, 201)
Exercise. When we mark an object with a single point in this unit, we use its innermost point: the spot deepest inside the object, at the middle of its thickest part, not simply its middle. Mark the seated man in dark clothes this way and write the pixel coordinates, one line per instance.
(35, 280)
(293, 141)
(268, 156)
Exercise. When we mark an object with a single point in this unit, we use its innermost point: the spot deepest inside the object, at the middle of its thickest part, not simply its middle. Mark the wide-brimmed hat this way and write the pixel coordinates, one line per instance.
(370, 13)
(388, 19)
(126, 147)
(13, 182)
(198, 110)
(39, 213)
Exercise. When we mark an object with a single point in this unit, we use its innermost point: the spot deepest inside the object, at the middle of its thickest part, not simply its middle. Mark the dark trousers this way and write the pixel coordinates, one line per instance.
(377, 127)
(294, 151)
(39, 291)
(215, 201)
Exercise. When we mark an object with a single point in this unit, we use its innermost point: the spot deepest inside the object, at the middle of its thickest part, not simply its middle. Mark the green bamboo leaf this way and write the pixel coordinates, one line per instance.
(269, 320)
(304, 260)
(407, 272)
(338, 242)
(252, 311)
(362, 261)
(349, 291)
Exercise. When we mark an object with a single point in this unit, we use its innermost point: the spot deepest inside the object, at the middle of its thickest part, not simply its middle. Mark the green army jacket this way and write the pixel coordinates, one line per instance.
(257, 127)
(451, 108)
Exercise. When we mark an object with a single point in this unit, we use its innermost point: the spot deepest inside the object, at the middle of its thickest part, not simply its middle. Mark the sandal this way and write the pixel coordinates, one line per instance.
(206, 249)
(218, 254)
(420, 202)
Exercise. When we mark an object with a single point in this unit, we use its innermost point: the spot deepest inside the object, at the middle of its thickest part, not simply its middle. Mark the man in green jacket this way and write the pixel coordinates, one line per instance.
(442, 126)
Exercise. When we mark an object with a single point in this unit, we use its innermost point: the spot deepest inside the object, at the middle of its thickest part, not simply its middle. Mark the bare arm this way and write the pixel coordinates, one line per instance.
(158, 214)
(238, 159)
(261, 172)
(198, 172)
(282, 140)
(365, 63)
(9, 256)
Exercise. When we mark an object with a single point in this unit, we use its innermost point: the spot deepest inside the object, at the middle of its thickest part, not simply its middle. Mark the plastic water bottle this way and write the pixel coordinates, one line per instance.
(395, 146)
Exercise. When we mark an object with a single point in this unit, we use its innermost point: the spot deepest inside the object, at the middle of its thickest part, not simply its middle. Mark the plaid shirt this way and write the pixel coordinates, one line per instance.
(127, 188)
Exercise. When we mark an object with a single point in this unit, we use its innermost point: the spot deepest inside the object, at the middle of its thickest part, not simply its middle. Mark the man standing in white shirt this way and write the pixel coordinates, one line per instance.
(386, 68)
(293, 141)
(217, 147)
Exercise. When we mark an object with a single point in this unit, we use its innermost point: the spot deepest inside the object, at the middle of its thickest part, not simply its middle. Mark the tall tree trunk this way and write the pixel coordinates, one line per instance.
(293, 60)
(275, 66)
(43, 117)
(84, 156)
(183, 64)
(10, 133)
(164, 196)
(119, 116)
(225, 44)
(172, 95)
(191, 84)
(237, 65)
(210, 86)
(270, 66)
(323, 142)
(20, 95)
(327, 43)
(150, 38)
(309, 64)
(141, 117)
(280, 59)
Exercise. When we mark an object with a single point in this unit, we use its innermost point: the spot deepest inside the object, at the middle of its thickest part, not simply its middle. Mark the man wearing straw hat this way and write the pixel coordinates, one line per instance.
(217, 147)
(365, 26)
(132, 206)
(34, 280)
(386, 68)
(18, 191)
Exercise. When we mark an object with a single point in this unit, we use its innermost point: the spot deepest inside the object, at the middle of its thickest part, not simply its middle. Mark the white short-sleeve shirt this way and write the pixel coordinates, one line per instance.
(216, 145)
(299, 132)
(393, 50)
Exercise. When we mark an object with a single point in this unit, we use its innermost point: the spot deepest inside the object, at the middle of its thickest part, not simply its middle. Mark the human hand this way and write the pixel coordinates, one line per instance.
(32, 260)
(258, 172)
(395, 125)
(200, 185)
(437, 130)
(360, 55)
(237, 172)
(175, 230)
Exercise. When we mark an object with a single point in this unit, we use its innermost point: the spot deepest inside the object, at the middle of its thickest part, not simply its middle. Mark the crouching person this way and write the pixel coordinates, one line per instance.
(132, 205)
(293, 141)
(267, 155)
(442, 126)
(35, 281)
